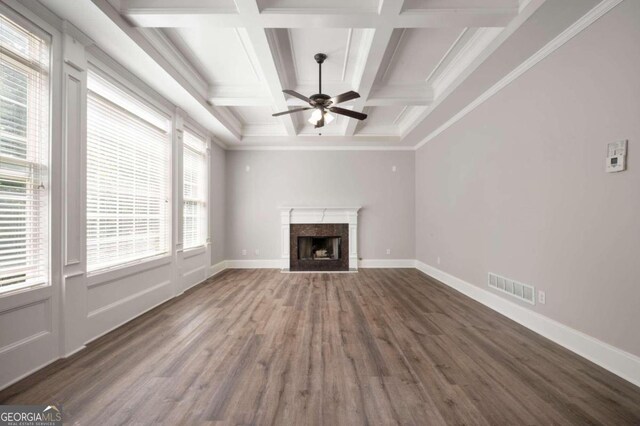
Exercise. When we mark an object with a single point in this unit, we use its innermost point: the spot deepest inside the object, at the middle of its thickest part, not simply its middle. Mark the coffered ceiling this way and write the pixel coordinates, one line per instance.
(410, 60)
(392, 52)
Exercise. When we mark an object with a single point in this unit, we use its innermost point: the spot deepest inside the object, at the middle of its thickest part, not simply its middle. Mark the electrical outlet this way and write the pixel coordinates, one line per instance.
(247, 169)
(388, 251)
(257, 252)
(244, 252)
(438, 260)
(542, 297)
(394, 168)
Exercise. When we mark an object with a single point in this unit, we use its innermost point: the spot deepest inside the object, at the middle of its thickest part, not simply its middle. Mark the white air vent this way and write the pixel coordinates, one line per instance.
(524, 292)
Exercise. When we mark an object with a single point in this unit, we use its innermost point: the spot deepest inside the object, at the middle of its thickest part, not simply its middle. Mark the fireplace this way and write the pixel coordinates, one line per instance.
(319, 247)
(333, 231)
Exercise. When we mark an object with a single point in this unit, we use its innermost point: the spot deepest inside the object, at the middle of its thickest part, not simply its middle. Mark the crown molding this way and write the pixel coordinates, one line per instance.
(73, 31)
(159, 40)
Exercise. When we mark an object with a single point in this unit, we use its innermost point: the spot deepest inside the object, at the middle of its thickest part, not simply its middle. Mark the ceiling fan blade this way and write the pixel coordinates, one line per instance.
(353, 114)
(291, 111)
(297, 95)
(344, 97)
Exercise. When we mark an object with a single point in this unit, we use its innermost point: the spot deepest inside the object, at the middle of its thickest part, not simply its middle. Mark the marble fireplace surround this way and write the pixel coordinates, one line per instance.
(317, 215)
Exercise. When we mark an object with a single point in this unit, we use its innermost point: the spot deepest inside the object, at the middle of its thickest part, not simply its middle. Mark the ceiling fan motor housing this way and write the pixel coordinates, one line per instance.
(320, 99)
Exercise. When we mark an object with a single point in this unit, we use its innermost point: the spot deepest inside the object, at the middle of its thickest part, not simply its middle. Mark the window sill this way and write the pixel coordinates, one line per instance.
(194, 251)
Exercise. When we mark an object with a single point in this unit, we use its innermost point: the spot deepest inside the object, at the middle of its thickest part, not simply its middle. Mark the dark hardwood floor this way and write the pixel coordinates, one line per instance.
(382, 346)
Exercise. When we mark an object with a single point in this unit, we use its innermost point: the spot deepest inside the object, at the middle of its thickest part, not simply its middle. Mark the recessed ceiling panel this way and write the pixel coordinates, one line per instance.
(418, 53)
(222, 55)
(341, 45)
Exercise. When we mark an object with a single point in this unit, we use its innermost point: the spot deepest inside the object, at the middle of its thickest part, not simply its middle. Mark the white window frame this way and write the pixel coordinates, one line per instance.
(45, 213)
(122, 79)
(189, 126)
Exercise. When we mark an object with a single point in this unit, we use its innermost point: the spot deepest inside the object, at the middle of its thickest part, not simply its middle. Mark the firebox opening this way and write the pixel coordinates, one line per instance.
(319, 248)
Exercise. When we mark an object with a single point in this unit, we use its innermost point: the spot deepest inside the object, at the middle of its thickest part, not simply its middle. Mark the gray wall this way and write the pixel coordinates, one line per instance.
(217, 199)
(320, 178)
(518, 187)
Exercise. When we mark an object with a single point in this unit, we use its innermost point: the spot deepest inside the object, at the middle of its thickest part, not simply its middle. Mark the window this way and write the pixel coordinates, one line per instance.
(128, 177)
(194, 164)
(24, 151)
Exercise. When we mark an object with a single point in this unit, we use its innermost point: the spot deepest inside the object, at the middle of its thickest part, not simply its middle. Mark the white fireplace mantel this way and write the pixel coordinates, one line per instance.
(313, 215)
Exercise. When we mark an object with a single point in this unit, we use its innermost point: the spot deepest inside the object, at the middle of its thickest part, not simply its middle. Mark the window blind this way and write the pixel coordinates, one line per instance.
(128, 177)
(24, 147)
(194, 163)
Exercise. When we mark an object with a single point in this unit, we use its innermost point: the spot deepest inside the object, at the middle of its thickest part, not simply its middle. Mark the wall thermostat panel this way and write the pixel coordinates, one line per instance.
(616, 156)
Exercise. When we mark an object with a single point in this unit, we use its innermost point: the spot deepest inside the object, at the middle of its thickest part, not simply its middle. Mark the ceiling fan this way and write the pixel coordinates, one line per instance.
(323, 104)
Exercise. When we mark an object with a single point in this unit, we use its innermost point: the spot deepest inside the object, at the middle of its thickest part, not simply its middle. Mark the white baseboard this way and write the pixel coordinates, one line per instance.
(217, 268)
(387, 263)
(609, 357)
(280, 263)
(34, 370)
(256, 264)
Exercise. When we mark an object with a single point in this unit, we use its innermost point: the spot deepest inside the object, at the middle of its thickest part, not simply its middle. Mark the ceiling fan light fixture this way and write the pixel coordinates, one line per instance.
(328, 118)
(316, 115)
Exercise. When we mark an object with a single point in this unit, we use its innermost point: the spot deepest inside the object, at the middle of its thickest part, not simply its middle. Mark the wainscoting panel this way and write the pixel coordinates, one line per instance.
(24, 323)
(194, 267)
(117, 300)
(27, 341)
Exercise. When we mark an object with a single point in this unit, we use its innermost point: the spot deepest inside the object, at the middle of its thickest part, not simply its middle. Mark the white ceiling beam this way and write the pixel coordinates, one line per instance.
(251, 95)
(259, 43)
(391, 95)
(377, 47)
(326, 140)
(433, 19)
(159, 14)
(168, 50)
(151, 18)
